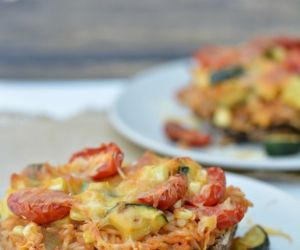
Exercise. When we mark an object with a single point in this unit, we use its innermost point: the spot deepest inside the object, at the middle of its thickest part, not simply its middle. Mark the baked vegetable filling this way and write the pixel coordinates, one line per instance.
(247, 91)
(96, 201)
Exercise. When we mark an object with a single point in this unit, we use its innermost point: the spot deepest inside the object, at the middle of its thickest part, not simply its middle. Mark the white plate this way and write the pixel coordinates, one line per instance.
(140, 112)
(272, 209)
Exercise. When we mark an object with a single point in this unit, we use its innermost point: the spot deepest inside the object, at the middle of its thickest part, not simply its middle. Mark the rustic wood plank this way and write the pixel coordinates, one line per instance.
(75, 38)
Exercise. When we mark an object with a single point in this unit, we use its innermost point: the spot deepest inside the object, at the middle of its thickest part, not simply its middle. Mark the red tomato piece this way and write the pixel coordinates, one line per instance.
(287, 42)
(225, 218)
(105, 160)
(40, 205)
(292, 62)
(191, 137)
(229, 218)
(167, 194)
(216, 58)
(214, 190)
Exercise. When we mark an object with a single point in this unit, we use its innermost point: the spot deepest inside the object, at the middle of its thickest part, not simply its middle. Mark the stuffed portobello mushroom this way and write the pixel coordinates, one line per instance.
(248, 91)
(96, 201)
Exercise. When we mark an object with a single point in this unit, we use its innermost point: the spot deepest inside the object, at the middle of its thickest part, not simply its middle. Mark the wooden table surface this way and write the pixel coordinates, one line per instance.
(117, 38)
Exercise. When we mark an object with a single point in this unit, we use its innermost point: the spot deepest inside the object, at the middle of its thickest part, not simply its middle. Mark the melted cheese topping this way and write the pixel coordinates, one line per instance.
(99, 198)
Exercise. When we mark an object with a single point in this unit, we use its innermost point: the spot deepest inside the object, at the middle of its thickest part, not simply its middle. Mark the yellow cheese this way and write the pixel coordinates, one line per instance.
(58, 184)
(291, 93)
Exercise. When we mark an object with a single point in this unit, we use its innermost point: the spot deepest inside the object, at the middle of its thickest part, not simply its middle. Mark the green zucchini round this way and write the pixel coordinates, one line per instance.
(227, 73)
(282, 144)
(183, 170)
(255, 239)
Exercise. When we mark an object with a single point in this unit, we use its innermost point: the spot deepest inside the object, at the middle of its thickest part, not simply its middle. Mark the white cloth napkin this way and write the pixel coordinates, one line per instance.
(58, 99)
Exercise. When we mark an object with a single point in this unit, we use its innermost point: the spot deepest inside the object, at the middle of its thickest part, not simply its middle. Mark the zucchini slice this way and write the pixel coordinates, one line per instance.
(255, 239)
(183, 170)
(225, 74)
(134, 221)
(275, 54)
(282, 144)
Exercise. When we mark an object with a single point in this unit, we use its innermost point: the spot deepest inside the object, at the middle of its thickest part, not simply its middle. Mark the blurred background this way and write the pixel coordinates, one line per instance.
(99, 45)
(44, 39)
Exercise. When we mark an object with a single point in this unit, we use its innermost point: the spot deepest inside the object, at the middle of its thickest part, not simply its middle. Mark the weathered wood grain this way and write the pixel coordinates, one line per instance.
(105, 38)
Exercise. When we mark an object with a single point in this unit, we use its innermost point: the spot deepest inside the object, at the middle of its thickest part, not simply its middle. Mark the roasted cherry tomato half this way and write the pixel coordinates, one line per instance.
(40, 205)
(214, 190)
(215, 58)
(225, 218)
(166, 195)
(287, 42)
(228, 212)
(292, 61)
(103, 161)
(190, 137)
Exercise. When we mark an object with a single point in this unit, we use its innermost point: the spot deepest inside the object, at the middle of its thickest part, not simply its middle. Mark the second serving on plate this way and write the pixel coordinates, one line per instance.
(250, 92)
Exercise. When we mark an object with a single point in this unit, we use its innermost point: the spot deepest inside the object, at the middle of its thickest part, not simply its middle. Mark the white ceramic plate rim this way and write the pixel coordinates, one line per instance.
(280, 163)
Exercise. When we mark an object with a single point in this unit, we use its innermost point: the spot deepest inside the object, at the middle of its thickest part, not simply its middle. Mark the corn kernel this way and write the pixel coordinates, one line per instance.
(61, 222)
(170, 216)
(76, 214)
(88, 237)
(222, 117)
(18, 230)
(181, 223)
(200, 77)
(30, 230)
(58, 184)
(207, 224)
(290, 95)
(194, 187)
(178, 204)
(184, 214)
